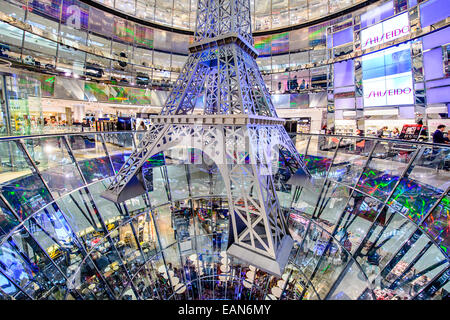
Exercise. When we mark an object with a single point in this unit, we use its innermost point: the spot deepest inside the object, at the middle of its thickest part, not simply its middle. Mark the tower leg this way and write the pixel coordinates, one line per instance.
(258, 232)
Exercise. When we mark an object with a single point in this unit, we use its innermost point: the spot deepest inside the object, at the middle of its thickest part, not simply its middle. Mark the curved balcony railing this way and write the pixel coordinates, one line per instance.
(373, 225)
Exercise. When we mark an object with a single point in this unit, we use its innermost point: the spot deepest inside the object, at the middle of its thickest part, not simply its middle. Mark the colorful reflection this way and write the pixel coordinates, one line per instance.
(49, 8)
(280, 43)
(97, 90)
(123, 30)
(96, 169)
(437, 224)
(157, 160)
(26, 195)
(376, 183)
(316, 165)
(263, 45)
(119, 159)
(413, 199)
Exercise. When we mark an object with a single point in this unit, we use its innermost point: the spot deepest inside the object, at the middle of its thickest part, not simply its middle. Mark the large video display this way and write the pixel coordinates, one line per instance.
(387, 77)
(386, 31)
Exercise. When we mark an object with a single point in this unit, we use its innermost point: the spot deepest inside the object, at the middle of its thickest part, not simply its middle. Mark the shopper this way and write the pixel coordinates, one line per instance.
(360, 143)
(380, 132)
(438, 135)
(85, 125)
(302, 85)
(395, 133)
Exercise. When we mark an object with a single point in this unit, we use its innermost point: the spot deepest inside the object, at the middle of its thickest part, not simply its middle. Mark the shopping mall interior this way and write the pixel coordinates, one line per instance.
(224, 150)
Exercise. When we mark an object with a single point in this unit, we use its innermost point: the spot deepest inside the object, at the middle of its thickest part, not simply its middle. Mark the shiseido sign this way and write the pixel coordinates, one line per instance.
(385, 31)
(389, 92)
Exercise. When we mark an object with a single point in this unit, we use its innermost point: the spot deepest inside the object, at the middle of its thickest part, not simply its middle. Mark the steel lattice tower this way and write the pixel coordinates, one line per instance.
(239, 130)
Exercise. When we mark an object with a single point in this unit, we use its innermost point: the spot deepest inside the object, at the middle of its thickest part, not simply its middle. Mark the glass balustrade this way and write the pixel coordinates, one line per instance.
(373, 224)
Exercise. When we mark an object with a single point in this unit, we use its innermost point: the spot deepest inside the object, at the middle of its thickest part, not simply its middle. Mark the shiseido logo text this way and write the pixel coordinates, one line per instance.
(389, 92)
(387, 36)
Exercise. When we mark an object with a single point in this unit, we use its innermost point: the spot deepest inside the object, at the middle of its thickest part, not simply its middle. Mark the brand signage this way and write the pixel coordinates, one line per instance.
(389, 92)
(386, 31)
(387, 77)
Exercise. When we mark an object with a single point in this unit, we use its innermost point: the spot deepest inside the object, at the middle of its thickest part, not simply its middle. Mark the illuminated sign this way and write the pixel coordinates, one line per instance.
(387, 77)
(389, 92)
(385, 31)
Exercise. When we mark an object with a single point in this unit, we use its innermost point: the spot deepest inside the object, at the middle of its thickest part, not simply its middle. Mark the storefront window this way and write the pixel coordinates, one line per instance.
(24, 100)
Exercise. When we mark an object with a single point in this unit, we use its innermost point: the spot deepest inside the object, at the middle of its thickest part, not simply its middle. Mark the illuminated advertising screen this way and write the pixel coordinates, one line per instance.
(263, 45)
(96, 91)
(143, 36)
(139, 96)
(387, 77)
(385, 31)
(123, 30)
(75, 14)
(280, 43)
(118, 94)
(48, 7)
(47, 85)
(317, 34)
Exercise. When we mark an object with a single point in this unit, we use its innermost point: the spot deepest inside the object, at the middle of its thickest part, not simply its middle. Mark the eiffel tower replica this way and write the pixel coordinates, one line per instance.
(239, 130)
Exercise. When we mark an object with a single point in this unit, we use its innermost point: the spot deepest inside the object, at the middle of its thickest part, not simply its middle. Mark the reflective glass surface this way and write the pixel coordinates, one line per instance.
(351, 241)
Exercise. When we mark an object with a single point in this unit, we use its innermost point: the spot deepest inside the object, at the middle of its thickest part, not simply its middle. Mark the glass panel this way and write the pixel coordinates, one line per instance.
(308, 198)
(78, 213)
(357, 218)
(156, 185)
(163, 220)
(55, 164)
(25, 262)
(199, 180)
(352, 286)
(11, 39)
(300, 142)
(55, 236)
(112, 269)
(298, 224)
(387, 236)
(178, 182)
(414, 271)
(11, 289)
(91, 157)
(295, 287)
(313, 247)
(71, 60)
(38, 51)
(438, 289)
(26, 195)
(437, 224)
(7, 220)
(332, 264)
(20, 270)
(135, 205)
(108, 209)
(14, 9)
(413, 199)
(24, 98)
(119, 146)
(349, 162)
(331, 204)
(383, 171)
